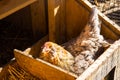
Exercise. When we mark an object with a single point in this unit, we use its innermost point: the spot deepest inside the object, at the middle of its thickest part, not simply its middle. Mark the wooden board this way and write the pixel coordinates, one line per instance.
(76, 18)
(39, 18)
(42, 69)
(97, 71)
(38, 67)
(56, 18)
(8, 7)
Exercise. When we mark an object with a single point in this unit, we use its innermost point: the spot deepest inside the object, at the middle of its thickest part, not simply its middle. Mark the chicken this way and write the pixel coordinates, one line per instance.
(84, 47)
(57, 55)
(79, 53)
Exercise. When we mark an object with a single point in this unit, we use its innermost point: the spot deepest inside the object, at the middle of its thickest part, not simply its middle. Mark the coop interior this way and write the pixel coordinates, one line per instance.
(58, 21)
(13, 33)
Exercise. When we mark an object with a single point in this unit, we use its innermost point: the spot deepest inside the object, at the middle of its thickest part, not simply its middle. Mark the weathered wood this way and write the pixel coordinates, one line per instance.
(117, 69)
(8, 7)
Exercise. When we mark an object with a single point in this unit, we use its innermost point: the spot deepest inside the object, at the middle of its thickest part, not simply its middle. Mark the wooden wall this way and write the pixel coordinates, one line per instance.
(39, 18)
(61, 19)
(64, 18)
(21, 19)
(72, 16)
(32, 18)
(56, 20)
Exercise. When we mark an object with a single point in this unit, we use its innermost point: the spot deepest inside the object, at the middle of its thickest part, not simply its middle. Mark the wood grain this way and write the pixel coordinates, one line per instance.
(56, 20)
(38, 17)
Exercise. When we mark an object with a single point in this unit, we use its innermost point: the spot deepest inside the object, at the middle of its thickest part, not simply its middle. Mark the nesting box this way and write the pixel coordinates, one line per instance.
(66, 19)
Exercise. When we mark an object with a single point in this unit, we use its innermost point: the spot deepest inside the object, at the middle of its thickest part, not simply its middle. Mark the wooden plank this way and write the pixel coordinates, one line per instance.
(42, 69)
(52, 26)
(38, 16)
(110, 24)
(36, 48)
(61, 22)
(8, 7)
(117, 69)
(76, 18)
(56, 18)
(108, 34)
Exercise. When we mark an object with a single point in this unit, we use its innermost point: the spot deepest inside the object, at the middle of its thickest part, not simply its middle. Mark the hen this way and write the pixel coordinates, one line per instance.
(57, 55)
(84, 47)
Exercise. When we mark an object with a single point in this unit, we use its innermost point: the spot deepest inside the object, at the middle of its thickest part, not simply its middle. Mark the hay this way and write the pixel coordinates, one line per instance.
(13, 71)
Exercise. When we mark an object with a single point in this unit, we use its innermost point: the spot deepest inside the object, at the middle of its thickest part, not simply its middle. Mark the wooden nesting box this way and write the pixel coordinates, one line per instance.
(66, 19)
